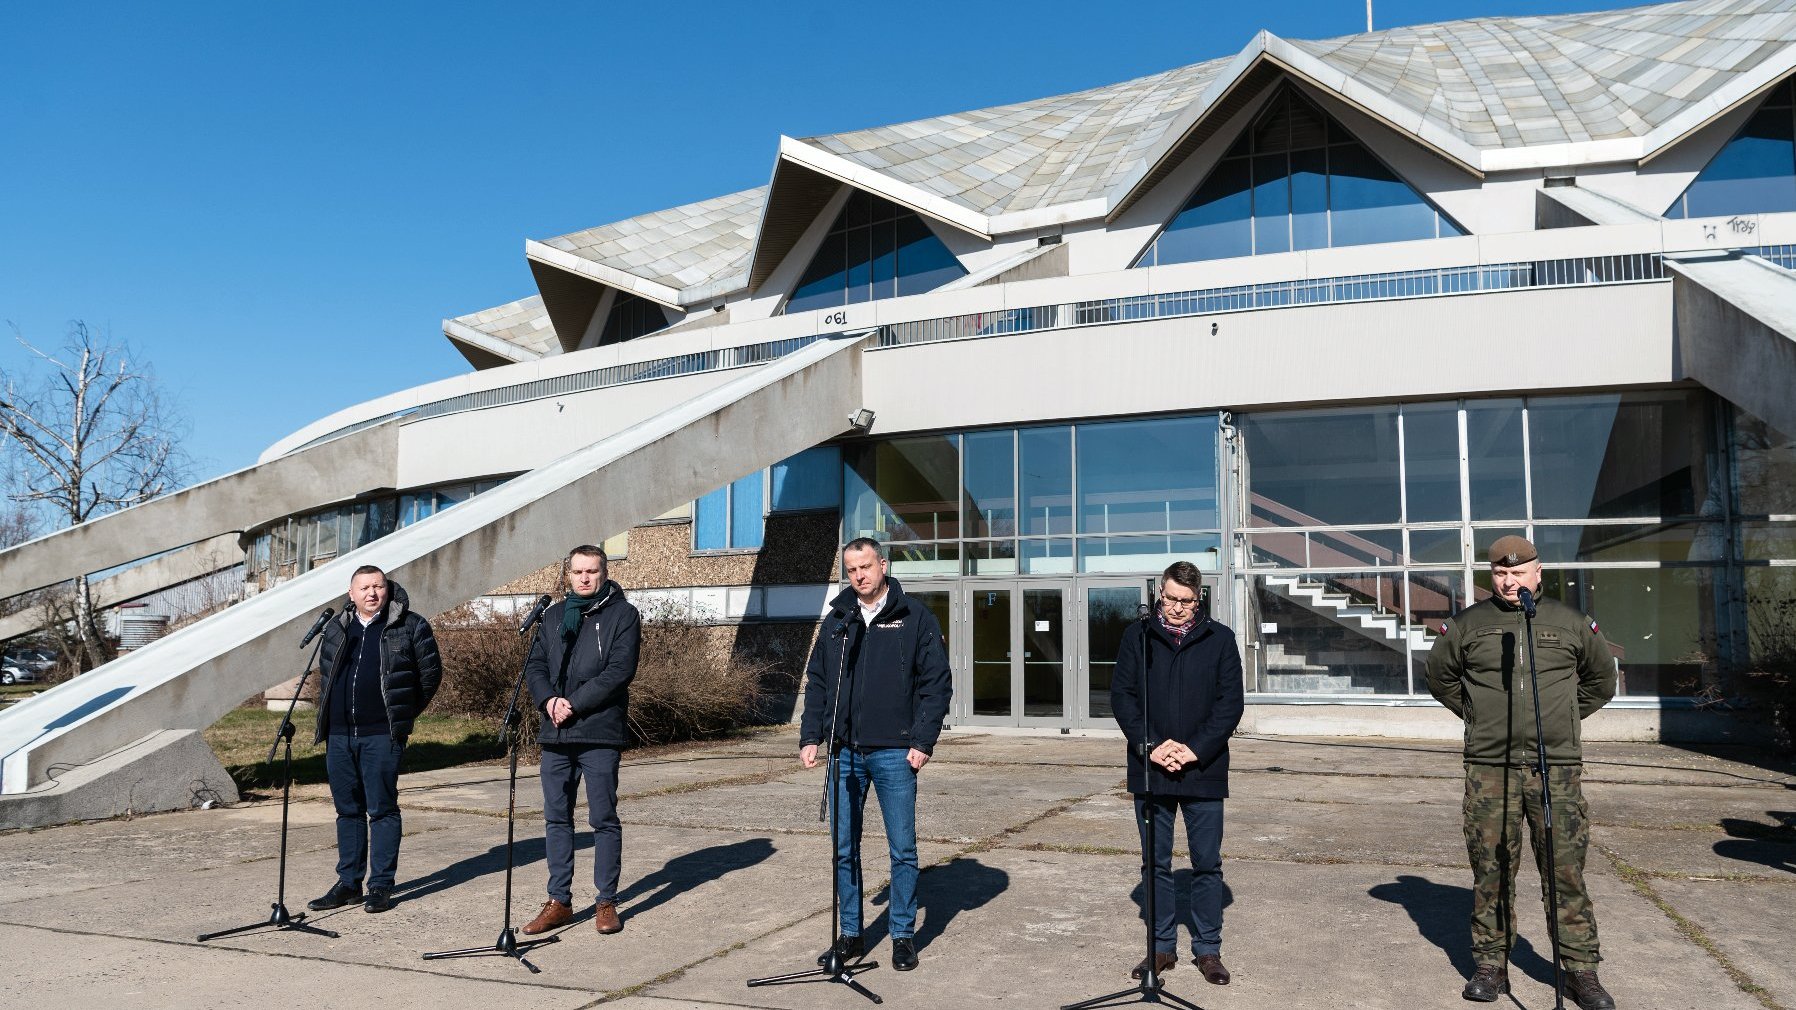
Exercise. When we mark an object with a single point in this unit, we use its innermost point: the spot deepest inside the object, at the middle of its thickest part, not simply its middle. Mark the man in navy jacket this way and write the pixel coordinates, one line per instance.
(1191, 670)
(885, 651)
(579, 671)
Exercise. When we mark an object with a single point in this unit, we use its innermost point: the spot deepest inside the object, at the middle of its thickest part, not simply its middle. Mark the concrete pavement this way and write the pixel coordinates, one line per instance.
(1345, 868)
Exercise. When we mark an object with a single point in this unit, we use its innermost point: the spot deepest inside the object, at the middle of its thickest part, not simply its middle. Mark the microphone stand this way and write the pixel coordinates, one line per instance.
(278, 917)
(507, 944)
(834, 968)
(1546, 804)
(1152, 989)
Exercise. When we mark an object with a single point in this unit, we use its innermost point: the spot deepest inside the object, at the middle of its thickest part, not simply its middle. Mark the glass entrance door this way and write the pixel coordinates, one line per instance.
(1016, 670)
(1106, 608)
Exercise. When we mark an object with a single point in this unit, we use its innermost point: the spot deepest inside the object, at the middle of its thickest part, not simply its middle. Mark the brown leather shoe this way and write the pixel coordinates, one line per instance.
(554, 914)
(1584, 989)
(604, 918)
(1211, 966)
(1164, 961)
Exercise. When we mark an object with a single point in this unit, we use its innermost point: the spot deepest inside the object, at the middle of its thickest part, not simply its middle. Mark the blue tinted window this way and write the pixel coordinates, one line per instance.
(876, 249)
(1295, 180)
(1045, 467)
(1755, 173)
(1147, 476)
(989, 484)
(711, 521)
(745, 511)
(810, 480)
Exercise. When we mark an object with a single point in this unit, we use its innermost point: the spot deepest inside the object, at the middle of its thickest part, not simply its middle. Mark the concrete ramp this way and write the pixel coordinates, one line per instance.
(175, 568)
(1736, 330)
(332, 471)
(191, 678)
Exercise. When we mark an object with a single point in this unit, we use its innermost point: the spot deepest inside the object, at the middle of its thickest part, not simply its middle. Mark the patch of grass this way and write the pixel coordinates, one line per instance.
(242, 737)
(16, 691)
(1641, 881)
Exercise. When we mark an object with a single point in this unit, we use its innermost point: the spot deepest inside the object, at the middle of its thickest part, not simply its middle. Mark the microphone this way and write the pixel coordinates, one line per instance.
(841, 617)
(536, 613)
(317, 626)
(1527, 602)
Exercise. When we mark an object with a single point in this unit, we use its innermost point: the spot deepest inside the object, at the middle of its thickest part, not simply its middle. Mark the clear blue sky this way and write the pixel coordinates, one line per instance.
(277, 203)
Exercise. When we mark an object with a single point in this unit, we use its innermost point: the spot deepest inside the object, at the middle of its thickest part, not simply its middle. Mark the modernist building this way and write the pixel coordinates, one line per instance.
(1327, 317)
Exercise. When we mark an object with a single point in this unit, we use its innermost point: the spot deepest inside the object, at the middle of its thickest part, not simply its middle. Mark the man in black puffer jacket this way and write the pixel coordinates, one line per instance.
(1192, 672)
(378, 669)
(886, 651)
(580, 667)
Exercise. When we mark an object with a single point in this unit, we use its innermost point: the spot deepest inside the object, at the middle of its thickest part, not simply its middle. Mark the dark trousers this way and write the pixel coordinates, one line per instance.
(1203, 835)
(562, 769)
(364, 777)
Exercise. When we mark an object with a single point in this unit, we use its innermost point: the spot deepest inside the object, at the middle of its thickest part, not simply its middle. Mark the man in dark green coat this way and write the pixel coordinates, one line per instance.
(1479, 669)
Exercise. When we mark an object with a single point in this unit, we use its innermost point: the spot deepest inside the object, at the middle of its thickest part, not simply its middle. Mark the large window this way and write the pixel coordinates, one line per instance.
(876, 249)
(1755, 173)
(1295, 180)
(1113, 496)
(1369, 525)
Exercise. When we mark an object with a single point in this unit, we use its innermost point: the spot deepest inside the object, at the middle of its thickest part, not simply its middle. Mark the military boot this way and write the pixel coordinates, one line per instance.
(1487, 983)
(1586, 991)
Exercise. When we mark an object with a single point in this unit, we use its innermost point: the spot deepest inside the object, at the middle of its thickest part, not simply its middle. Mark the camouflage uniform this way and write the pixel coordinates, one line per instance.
(1478, 670)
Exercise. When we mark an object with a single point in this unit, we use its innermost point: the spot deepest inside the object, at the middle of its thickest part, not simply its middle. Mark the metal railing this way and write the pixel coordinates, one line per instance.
(1581, 271)
(1577, 272)
(1782, 255)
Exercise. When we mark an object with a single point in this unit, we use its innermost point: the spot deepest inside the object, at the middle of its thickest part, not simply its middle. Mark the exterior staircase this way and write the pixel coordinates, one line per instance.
(1362, 618)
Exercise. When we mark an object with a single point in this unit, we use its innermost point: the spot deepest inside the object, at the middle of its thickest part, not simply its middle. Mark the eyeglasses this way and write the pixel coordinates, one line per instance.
(1179, 601)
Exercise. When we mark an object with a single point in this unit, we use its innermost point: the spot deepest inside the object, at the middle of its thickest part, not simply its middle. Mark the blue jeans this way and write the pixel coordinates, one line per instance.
(887, 771)
(1203, 834)
(562, 769)
(364, 777)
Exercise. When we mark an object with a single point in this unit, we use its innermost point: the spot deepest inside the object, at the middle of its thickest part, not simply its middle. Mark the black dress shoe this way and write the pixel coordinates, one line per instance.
(1487, 983)
(379, 900)
(904, 953)
(848, 948)
(339, 895)
(1587, 992)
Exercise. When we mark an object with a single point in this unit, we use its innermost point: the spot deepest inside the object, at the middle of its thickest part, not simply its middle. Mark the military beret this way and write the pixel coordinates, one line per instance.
(1512, 550)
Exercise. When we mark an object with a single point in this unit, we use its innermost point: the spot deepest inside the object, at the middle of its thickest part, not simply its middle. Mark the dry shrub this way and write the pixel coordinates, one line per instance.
(689, 683)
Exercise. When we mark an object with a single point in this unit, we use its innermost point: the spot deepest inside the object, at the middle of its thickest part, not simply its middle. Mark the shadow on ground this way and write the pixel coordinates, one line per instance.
(1769, 845)
(1443, 913)
(943, 892)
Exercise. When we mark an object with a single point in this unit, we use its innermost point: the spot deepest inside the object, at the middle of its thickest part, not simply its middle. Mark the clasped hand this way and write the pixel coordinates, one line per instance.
(559, 710)
(1172, 755)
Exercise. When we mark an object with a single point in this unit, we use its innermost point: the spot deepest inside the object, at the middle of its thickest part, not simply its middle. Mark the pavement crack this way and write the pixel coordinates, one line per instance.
(1641, 881)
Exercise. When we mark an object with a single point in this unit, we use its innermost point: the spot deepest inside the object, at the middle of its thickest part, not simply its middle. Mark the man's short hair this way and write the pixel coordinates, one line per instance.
(589, 551)
(1185, 574)
(864, 544)
(367, 570)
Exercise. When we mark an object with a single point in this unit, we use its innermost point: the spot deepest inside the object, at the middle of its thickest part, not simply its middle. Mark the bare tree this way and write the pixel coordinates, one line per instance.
(87, 433)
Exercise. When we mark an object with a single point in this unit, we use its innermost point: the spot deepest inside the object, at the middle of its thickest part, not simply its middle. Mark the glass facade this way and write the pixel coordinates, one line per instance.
(1755, 173)
(1295, 179)
(1365, 527)
(1113, 496)
(298, 544)
(875, 249)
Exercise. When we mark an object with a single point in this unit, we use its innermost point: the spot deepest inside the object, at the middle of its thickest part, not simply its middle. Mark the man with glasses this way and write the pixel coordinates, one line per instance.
(1191, 670)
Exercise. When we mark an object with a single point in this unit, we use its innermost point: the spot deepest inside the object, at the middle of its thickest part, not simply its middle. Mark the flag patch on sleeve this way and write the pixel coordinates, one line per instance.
(1593, 626)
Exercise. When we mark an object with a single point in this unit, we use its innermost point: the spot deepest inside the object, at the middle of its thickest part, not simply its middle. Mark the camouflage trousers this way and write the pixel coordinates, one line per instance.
(1497, 798)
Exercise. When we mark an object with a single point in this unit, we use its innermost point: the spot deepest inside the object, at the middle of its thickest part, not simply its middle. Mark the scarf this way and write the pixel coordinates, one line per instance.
(574, 611)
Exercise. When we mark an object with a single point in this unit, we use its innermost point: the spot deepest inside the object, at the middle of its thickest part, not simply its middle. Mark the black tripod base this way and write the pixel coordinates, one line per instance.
(1151, 990)
(278, 918)
(835, 970)
(506, 946)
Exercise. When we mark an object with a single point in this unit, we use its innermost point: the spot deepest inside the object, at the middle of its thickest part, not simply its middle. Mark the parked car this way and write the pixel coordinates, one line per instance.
(11, 673)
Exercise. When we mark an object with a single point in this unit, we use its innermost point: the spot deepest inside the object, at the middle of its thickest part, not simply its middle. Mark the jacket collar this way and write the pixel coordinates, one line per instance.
(398, 605)
(1199, 630)
(848, 605)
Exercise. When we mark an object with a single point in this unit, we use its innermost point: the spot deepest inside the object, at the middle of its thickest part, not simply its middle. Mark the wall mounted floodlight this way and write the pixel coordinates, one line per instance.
(862, 420)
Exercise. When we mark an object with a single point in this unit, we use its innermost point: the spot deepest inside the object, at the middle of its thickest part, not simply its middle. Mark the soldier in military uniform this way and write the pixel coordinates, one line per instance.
(1479, 670)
